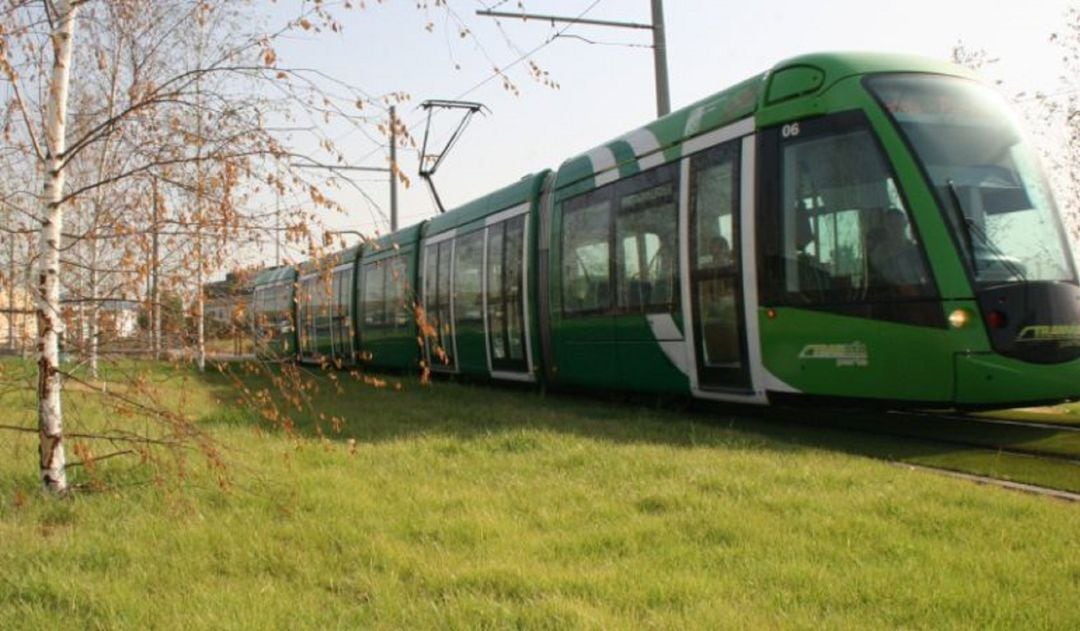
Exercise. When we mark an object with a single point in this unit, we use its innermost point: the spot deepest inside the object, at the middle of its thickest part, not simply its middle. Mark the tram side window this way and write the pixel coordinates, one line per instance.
(342, 302)
(375, 294)
(398, 299)
(307, 287)
(714, 198)
(270, 314)
(513, 281)
(844, 231)
(283, 306)
(341, 293)
(437, 291)
(586, 258)
(468, 266)
(259, 320)
(505, 279)
(322, 306)
(431, 280)
(646, 238)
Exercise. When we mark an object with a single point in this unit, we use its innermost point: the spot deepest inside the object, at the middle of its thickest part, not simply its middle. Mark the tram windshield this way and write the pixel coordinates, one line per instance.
(985, 175)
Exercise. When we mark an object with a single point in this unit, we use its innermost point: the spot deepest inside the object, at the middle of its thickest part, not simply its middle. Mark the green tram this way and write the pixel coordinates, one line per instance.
(856, 227)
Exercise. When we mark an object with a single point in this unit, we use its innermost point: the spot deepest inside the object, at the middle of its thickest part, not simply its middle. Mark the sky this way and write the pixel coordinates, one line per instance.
(606, 88)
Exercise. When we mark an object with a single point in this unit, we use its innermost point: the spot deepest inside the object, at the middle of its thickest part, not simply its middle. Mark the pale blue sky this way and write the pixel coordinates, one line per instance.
(607, 90)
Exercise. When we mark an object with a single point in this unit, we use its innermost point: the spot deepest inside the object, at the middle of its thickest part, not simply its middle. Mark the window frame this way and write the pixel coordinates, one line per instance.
(478, 235)
(380, 267)
(579, 203)
(632, 185)
(501, 226)
(438, 299)
(921, 309)
(945, 205)
(613, 193)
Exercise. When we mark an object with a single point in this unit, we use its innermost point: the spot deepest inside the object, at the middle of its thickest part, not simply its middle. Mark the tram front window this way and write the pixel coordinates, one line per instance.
(985, 175)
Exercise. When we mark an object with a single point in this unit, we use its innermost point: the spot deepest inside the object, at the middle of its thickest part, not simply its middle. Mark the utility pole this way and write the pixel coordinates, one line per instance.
(277, 231)
(663, 99)
(393, 169)
(663, 95)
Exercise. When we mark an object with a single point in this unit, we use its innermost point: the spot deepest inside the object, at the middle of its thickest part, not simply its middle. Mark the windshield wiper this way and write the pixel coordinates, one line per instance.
(964, 223)
(970, 226)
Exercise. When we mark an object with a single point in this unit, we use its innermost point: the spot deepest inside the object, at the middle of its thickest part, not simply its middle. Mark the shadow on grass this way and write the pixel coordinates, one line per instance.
(471, 410)
(466, 409)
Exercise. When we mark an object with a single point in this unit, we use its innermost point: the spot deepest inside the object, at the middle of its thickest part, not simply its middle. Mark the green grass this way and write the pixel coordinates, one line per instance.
(473, 507)
(1066, 414)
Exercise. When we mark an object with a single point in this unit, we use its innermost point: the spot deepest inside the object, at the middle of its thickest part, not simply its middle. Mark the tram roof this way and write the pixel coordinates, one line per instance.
(328, 261)
(798, 77)
(274, 275)
(507, 197)
(386, 244)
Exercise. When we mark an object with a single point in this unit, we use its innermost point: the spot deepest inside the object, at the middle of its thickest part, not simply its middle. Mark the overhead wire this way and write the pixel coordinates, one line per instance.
(499, 71)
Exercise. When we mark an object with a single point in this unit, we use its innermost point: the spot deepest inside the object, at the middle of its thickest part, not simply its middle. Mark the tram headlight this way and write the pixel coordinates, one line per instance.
(959, 318)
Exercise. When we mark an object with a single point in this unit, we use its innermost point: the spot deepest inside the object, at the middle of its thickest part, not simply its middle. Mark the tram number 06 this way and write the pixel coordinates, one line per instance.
(790, 130)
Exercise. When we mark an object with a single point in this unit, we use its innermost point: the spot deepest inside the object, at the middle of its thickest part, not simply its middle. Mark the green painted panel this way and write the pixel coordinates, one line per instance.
(633, 327)
(792, 82)
(624, 157)
(989, 378)
(471, 348)
(586, 352)
(399, 353)
(643, 367)
(835, 355)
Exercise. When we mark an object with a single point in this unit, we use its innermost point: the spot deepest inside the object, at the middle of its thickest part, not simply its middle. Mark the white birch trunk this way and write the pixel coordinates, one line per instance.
(50, 323)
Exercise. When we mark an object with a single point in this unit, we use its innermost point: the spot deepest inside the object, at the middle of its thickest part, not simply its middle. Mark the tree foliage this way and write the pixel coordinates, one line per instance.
(147, 121)
(1052, 115)
(145, 143)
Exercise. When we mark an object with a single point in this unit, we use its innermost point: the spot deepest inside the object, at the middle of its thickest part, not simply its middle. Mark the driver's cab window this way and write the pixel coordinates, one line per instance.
(845, 233)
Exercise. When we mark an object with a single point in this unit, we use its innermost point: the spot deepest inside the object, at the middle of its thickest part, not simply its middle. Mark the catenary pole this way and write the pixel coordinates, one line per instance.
(393, 170)
(663, 98)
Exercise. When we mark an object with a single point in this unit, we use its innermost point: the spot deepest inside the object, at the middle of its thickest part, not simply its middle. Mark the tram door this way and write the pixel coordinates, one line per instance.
(341, 312)
(715, 269)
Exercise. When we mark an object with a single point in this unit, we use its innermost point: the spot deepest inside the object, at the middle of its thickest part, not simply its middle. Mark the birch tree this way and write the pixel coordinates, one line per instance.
(50, 323)
(181, 119)
(164, 121)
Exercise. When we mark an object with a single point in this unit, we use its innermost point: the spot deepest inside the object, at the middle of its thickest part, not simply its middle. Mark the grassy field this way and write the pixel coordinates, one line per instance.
(462, 506)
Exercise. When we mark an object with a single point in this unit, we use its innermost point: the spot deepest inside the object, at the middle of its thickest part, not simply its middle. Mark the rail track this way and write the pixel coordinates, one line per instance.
(1033, 489)
(1043, 440)
(1030, 456)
